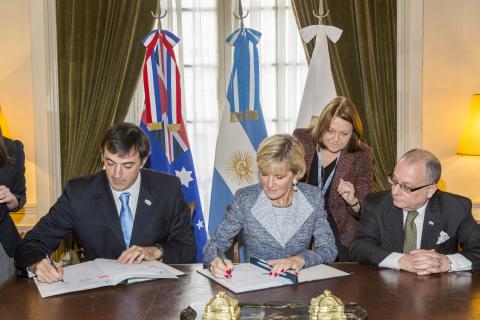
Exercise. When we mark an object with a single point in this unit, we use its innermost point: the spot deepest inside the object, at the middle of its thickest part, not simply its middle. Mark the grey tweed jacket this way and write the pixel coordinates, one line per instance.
(253, 213)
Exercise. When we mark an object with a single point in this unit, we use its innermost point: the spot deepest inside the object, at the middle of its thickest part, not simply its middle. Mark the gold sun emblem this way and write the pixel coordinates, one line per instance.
(240, 167)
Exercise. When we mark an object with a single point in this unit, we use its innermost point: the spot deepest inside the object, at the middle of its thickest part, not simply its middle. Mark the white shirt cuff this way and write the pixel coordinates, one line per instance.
(30, 274)
(459, 262)
(391, 261)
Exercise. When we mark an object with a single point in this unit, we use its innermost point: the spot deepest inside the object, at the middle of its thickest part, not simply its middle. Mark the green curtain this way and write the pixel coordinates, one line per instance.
(99, 63)
(364, 68)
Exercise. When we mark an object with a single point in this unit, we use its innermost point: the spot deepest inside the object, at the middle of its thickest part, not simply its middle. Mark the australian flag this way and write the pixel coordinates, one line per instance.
(162, 121)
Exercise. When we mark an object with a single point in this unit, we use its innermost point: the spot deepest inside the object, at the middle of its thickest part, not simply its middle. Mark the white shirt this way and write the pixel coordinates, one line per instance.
(459, 262)
(134, 190)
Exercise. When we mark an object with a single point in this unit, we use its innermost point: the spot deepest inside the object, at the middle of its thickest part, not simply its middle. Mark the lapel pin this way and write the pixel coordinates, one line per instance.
(147, 202)
(430, 222)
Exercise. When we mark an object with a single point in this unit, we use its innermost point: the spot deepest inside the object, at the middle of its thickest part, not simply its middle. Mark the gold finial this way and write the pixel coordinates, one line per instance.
(320, 15)
(222, 307)
(326, 307)
(240, 15)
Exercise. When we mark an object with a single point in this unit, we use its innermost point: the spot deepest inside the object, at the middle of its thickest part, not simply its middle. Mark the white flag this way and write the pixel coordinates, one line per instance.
(319, 87)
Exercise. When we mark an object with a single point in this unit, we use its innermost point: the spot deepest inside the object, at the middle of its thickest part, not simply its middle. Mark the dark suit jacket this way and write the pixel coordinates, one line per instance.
(8, 232)
(381, 228)
(356, 167)
(87, 208)
(12, 175)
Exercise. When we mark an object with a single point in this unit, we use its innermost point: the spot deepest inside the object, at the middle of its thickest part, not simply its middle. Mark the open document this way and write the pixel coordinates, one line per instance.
(105, 272)
(250, 277)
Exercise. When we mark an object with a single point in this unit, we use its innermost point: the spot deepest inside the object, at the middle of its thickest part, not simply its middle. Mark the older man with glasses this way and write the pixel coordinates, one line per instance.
(416, 227)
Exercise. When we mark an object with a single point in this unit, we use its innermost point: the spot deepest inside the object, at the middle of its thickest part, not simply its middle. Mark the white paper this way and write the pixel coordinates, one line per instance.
(320, 272)
(105, 272)
(78, 277)
(248, 277)
(123, 271)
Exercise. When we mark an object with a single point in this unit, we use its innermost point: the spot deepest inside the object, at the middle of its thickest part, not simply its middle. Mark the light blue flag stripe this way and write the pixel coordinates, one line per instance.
(243, 88)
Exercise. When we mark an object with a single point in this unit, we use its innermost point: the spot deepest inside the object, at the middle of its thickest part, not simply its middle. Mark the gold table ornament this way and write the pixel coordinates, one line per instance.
(222, 307)
(327, 307)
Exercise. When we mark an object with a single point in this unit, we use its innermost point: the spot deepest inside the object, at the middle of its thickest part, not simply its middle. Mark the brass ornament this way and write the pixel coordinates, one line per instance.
(236, 117)
(251, 115)
(155, 126)
(326, 307)
(240, 167)
(192, 206)
(313, 121)
(174, 127)
(222, 307)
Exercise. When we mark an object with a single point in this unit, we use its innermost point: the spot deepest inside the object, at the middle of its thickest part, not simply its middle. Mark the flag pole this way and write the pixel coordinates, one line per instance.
(320, 14)
(159, 16)
(240, 15)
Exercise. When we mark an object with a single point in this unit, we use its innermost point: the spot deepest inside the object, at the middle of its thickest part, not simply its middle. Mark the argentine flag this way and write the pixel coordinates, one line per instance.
(242, 127)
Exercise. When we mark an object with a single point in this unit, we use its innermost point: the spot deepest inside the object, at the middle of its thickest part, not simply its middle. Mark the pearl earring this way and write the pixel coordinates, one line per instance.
(295, 188)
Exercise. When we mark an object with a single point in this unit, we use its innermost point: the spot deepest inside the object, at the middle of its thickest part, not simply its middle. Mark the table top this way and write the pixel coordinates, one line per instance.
(385, 294)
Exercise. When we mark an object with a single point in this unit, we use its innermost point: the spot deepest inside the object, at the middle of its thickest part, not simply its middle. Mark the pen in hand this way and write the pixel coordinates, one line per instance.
(228, 272)
(52, 264)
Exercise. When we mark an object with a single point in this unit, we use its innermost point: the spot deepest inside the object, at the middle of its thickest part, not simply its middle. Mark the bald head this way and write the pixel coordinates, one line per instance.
(415, 179)
(433, 168)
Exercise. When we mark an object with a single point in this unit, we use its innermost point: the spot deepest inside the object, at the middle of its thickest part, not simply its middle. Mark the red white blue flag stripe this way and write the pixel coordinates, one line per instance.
(163, 123)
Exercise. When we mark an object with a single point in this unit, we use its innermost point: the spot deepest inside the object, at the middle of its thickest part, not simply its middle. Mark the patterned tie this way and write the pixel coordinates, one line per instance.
(410, 232)
(126, 218)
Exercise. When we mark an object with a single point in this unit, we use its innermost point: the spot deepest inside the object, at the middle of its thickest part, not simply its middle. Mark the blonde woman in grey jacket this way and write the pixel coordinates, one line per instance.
(278, 217)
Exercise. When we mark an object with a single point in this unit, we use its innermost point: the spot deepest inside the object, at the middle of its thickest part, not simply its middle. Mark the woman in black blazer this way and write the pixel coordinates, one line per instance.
(12, 190)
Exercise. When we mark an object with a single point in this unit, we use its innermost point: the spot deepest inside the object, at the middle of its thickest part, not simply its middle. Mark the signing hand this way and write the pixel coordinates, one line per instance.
(45, 272)
(137, 254)
(294, 263)
(347, 192)
(7, 197)
(221, 270)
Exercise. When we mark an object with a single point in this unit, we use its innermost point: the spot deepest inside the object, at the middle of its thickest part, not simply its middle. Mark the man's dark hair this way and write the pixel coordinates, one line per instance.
(126, 138)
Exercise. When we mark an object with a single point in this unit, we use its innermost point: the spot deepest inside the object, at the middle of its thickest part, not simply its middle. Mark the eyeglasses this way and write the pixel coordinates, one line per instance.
(394, 182)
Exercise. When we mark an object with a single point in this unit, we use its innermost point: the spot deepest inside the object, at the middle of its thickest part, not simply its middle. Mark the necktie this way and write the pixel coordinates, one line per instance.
(410, 232)
(126, 218)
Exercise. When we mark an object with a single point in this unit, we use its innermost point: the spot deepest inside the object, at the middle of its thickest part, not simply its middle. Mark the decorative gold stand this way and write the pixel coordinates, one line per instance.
(222, 307)
(326, 307)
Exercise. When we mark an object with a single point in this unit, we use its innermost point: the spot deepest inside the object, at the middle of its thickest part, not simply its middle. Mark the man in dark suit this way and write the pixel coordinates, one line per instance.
(416, 227)
(124, 212)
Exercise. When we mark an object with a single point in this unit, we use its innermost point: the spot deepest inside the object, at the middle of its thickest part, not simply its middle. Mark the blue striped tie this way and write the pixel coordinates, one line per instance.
(126, 218)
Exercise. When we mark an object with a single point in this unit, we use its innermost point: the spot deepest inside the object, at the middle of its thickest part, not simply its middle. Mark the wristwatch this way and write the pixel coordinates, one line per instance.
(449, 265)
(157, 245)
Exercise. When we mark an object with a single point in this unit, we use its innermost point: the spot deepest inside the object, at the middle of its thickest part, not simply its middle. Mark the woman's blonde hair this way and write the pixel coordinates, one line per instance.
(344, 109)
(279, 150)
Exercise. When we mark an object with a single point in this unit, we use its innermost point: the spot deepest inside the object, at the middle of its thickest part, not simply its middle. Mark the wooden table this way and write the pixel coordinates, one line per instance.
(385, 294)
